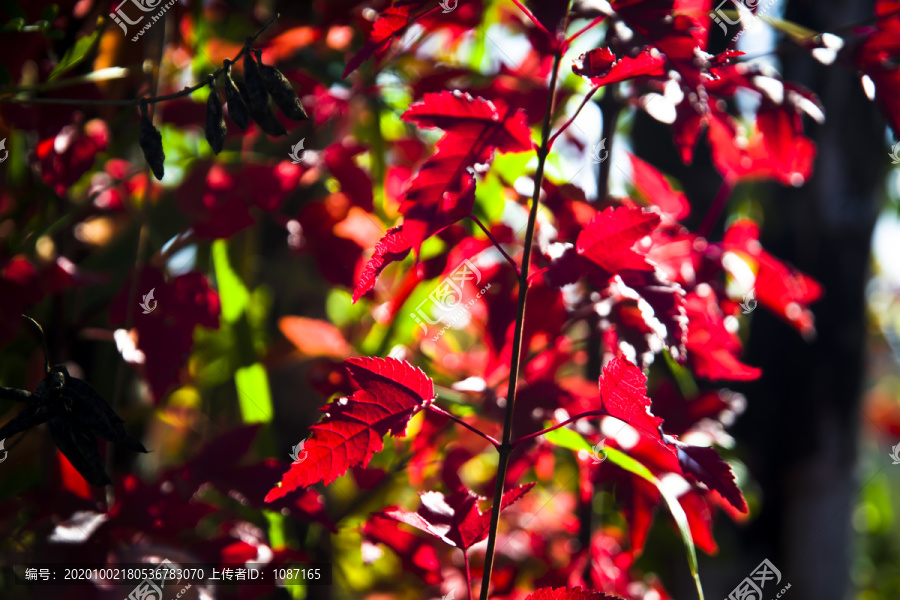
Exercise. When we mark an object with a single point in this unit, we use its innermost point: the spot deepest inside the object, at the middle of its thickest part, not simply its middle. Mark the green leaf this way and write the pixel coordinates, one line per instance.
(624, 461)
(76, 54)
(232, 291)
(253, 393)
(797, 33)
(567, 438)
(13, 25)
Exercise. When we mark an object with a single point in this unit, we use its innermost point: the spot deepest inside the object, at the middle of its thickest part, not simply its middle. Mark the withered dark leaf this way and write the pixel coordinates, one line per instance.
(76, 415)
(151, 143)
(215, 121)
(265, 118)
(80, 447)
(257, 96)
(237, 106)
(282, 93)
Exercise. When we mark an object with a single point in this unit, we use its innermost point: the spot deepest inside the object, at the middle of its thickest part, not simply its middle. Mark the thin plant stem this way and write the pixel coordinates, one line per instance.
(531, 436)
(715, 209)
(565, 125)
(534, 19)
(468, 574)
(506, 448)
(452, 417)
(135, 101)
(495, 242)
(578, 33)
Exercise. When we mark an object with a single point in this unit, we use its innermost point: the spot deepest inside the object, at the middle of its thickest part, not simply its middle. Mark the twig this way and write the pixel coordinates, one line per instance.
(495, 242)
(468, 573)
(715, 209)
(591, 413)
(534, 20)
(452, 417)
(137, 101)
(515, 359)
(578, 33)
(565, 125)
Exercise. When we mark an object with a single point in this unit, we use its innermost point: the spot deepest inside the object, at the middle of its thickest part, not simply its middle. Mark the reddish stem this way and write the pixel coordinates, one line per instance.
(496, 243)
(468, 574)
(575, 35)
(565, 125)
(453, 417)
(715, 209)
(534, 20)
(591, 413)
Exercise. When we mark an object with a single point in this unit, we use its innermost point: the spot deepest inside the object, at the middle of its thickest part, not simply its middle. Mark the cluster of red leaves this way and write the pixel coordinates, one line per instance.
(642, 282)
(657, 287)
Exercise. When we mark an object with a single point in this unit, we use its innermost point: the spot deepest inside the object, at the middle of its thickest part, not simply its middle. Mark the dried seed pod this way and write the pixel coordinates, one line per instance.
(151, 143)
(257, 96)
(281, 91)
(237, 106)
(266, 119)
(215, 121)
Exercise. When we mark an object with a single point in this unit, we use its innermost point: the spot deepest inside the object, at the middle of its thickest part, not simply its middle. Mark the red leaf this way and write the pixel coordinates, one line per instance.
(597, 66)
(706, 466)
(391, 392)
(569, 594)
(454, 519)
(394, 246)
(389, 24)
(416, 554)
(712, 348)
(443, 190)
(623, 391)
(875, 59)
(609, 237)
(783, 290)
(651, 184)
(68, 155)
(314, 337)
(355, 182)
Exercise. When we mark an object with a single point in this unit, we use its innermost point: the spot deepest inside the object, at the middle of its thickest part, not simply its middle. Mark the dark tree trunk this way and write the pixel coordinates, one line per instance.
(799, 434)
(802, 425)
